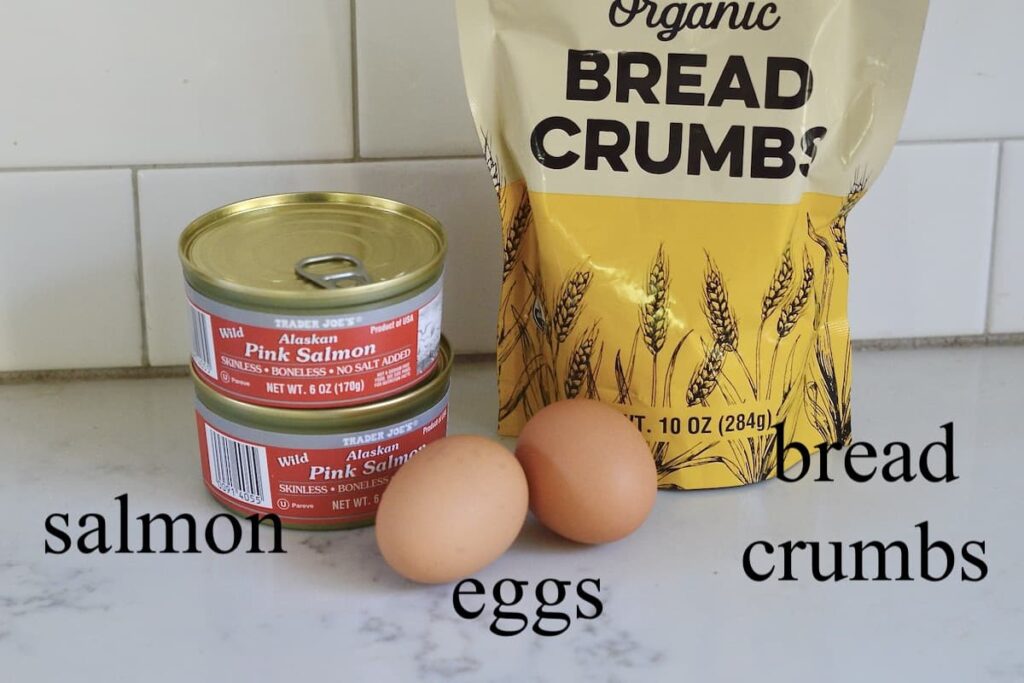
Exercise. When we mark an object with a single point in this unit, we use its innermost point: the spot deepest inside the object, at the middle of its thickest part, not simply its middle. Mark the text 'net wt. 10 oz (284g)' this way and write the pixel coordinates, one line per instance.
(674, 181)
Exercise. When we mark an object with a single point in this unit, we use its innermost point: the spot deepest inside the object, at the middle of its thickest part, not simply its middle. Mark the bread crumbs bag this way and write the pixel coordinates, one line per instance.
(674, 180)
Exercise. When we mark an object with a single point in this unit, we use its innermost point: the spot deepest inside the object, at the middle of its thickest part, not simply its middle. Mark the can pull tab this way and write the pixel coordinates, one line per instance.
(355, 273)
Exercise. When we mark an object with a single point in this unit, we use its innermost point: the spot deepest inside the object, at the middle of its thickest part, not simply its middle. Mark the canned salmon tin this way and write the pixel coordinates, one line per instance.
(315, 469)
(315, 300)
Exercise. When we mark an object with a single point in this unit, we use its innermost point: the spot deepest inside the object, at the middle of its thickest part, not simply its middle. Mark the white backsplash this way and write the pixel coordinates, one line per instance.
(173, 110)
(69, 296)
(968, 82)
(921, 243)
(1007, 299)
(129, 83)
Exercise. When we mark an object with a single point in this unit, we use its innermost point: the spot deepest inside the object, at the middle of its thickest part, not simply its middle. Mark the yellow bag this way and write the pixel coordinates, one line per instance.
(674, 181)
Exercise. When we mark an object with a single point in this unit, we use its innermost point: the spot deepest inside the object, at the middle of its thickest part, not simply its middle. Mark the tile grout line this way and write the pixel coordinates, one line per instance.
(137, 217)
(958, 141)
(990, 303)
(947, 342)
(360, 159)
(354, 49)
(237, 164)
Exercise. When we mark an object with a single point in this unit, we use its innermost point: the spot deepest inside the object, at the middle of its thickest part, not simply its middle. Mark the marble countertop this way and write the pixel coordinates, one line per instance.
(677, 605)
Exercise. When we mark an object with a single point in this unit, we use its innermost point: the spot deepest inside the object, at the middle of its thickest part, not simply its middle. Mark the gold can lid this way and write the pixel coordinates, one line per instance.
(315, 250)
(389, 411)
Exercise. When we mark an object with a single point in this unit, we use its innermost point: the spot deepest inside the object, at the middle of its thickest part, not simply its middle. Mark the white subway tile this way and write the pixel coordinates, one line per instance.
(411, 96)
(458, 192)
(124, 82)
(1008, 274)
(968, 82)
(69, 293)
(920, 244)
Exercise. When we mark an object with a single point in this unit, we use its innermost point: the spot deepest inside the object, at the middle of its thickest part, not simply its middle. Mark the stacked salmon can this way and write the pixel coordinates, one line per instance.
(317, 353)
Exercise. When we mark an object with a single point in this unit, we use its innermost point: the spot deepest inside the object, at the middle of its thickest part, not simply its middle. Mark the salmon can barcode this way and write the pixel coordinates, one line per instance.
(238, 469)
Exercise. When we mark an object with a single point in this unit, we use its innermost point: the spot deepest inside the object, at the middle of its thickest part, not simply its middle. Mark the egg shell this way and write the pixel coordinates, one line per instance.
(591, 475)
(453, 509)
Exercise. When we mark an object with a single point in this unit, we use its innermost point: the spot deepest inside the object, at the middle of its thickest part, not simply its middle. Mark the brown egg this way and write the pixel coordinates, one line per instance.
(452, 510)
(592, 478)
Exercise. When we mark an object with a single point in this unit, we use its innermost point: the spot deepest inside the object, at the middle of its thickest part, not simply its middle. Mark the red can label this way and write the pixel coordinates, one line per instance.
(316, 361)
(309, 480)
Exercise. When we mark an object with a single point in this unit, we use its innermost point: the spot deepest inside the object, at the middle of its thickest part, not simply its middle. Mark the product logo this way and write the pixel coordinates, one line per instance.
(673, 18)
(651, 109)
(693, 84)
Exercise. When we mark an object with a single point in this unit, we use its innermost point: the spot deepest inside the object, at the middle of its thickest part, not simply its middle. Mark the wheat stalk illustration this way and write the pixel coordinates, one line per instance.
(596, 359)
(717, 310)
(705, 377)
(721, 317)
(670, 371)
(654, 315)
(777, 292)
(828, 402)
(763, 459)
(690, 457)
(752, 458)
(538, 384)
(520, 396)
(579, 369)
(495, 172)
(569, 305)
(542, 326)
(493, 167)
(838, 226)
(514, 235)
(779, 288)
(624, 373)
(538, 302)
(828, 405)
(786, 301)
(838, 229)
(513, 230)
(790, 315)
(792, 311)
